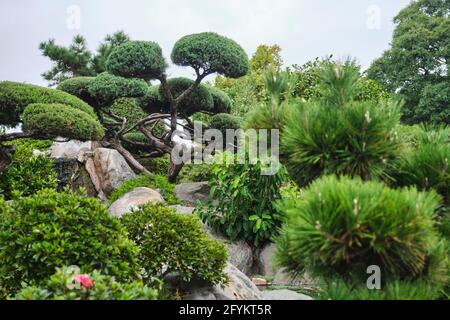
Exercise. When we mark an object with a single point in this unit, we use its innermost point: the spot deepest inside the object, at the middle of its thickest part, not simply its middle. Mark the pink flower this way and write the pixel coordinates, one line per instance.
(85, 281)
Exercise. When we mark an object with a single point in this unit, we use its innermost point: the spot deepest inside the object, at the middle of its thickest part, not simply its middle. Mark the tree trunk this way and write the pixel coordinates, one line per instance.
(135, 165)
(174, 170)
(5, 158)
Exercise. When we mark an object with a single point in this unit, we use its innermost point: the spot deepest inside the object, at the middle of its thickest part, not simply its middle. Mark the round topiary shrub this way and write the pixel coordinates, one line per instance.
(153, 101)
(50, 230)
(199, 100)
(130, 109)
(137, 59)
(222, 102)
(78, 87)
(52, 120)
(106, 88)
(68, 284)
(171, 242)
(224, 121)
(14, 97)
(342, 226)
(212, 53)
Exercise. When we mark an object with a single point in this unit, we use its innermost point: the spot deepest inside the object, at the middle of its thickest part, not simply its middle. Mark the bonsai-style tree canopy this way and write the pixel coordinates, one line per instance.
(211, 53)
(137, 59)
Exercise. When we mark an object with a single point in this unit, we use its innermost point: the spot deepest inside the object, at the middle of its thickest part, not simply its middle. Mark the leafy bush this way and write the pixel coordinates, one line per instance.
(158, 166)
(130, 109)
(157, 182)
(106, 88)
(211, 52)
(78, 87)
(137, 59)
(171, 242)
(224, 121)
(14, 97)
(242, 202)
(357, 140)
(28, 173)
(222, 102)
(52, 120)
(48, 230)
(195, 173)
(342, 226)
(68, 284)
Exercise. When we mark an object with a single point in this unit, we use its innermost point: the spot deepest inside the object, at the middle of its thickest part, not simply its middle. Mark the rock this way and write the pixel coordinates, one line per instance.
(284, 295)
(260, 282)
(111, 168)
(190, 193)
(69, 149)
(38, 153)
(183, 210)
(133, 199)
(72, 174)
(266, 260)
(240, 254)
(239, 287)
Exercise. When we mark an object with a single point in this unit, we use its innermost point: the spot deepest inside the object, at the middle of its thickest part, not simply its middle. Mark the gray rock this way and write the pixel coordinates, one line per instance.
(183, 210)
(111, 168)
(69, 149)
(239, 287)
(72, 174)
(284, 295)
(190, 193)
(266, 260)
(133, 199)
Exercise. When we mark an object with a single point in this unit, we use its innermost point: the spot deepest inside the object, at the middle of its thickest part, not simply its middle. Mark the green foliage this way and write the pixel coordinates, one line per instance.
(212, 53)
(224, 121)
(176, 243)
(343, 226)
(426, 164)
(78, 87)
(14, 97)
(157, 182)
(106, 88)
(199, 100)
(357, 140)
(137, 59)
(159, 166)
(153, 101)
(130, 109)
(221, 101)
(27, 173)
(52, 120)
(65, 285)
(48, 230)
(195, 173)
(76, 60)
(339, 289)
(242, 204)
(418, 60)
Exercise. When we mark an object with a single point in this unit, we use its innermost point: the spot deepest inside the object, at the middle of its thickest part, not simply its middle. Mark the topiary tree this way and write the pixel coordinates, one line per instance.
(45, 113)
(134, 64)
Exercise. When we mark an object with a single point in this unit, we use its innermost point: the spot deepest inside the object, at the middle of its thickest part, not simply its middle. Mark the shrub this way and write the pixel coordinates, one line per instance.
(211, 52)
(53, 120)
(157, 182)
(130, 109)
(153, 101)
(433, 104)
(78, 87)
(14, 97)
(28, 173)
(242, 202)
(48, 230)
(106, 88)
(68, 284)
(137, 59)
(222, 102)
(195, 173)
(171, 242)
(342, 226)
(224, 121)
(358, 140)
(199, 100)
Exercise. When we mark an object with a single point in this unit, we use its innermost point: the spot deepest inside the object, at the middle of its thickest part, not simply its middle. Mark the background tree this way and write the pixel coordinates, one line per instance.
(417, 62)
(77, 60)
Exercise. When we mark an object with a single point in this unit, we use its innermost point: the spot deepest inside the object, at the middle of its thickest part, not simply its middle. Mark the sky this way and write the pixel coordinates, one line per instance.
(304, 29)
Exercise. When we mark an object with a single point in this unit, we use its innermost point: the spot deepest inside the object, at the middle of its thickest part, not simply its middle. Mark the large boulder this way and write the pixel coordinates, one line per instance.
(266, 260)
(284, 295)
(190, 193)
(69, 149)
(133, 199)
(111, 169)
(239, 287)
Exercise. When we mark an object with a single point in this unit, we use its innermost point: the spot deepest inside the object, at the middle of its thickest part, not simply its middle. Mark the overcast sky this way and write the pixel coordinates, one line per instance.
(304, 29)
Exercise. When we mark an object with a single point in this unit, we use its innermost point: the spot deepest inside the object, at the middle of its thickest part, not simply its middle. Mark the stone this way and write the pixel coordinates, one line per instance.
(133, 199)
(284, 294)
(190, 193)
(182, 210)
(72, 174)
(239, 287)
(266, 260)
(259, 282)
(69, 149)
(112, 169)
